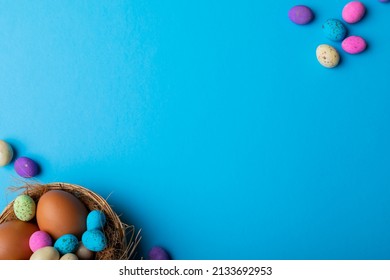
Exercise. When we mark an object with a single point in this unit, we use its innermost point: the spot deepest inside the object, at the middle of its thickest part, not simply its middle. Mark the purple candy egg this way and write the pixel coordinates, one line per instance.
(300, 14)
(384, 1)
(26, 167)
(158, 253)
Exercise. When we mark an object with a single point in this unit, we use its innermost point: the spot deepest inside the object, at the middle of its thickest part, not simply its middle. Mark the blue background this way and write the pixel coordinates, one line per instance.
(210, 124)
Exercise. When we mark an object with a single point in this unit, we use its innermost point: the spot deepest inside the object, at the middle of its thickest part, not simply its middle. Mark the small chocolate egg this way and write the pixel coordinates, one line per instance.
(83, 253)
(24, 207)
(46, 253)
(40, 239)
(94, 240)
(353, 11)
(96, 220)
(26, 167)
(6, 153)
(69, 257)
(158, 253)
(334, 29)
(67, 243)
(354, 44)
(327, 56)
(300, 14)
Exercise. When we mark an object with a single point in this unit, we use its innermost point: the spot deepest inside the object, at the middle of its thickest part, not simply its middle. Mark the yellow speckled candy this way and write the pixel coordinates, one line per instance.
(327, 56)
(24, 207)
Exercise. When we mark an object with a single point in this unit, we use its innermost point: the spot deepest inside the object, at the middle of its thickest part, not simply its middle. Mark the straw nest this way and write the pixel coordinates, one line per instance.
(122, 238)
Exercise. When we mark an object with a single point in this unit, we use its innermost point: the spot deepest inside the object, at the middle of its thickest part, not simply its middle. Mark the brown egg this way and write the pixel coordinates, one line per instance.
(60, 212)
(14, 240)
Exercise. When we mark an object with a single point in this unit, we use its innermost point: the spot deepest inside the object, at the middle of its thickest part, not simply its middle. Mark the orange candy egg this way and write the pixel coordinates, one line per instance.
(59, 212)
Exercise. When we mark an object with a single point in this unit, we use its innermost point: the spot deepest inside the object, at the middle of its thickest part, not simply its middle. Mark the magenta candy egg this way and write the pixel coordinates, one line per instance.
(354, 44)
(26, 167)
(353, 11)
(300, 14)
(40, 239)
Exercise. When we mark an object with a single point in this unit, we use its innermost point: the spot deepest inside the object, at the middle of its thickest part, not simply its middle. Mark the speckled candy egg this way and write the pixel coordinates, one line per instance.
(334, 30)
(46, 253)
(26, 167)
(354, 44)
(327, 56)
(94, 240)
(40, 239)
(66, 244)
(300, 14)
(24, 207)
(6, 153)
(353, 11)
(96, 220)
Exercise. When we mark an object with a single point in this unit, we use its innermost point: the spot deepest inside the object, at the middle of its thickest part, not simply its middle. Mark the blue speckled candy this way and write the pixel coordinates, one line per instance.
(96, 220)
(94, 240)
(67, 243)
(334, 30)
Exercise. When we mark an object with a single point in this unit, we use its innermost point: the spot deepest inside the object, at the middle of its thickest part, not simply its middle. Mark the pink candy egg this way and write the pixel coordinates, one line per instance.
(353, 11)
(40, 239)
(354, 44)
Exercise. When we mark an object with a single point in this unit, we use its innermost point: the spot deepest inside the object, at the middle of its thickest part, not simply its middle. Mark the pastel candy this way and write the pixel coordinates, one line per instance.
(327, 56)
(334, 29)
(353, 11)
(6, 153)
(26, 167)
(300, 14)
(354, 44)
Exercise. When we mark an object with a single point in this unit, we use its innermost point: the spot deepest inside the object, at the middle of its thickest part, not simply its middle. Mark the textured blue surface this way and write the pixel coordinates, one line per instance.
(209, 124)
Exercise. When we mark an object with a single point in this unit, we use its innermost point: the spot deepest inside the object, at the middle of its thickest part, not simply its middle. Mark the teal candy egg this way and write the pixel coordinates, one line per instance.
(24, 207)
(334, 30)
(67, 243)
(96, 220)
(94, 240)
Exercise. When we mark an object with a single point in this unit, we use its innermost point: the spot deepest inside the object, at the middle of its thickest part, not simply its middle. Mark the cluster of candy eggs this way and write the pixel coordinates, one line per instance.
(24, 166)
(335, 31)
(67, 246)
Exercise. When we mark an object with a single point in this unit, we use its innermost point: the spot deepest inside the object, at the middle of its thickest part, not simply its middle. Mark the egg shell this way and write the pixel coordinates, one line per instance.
(46, 253)
(6, 153)
(24, 207)
(60, 212)
(26, 167)
(300, 14)
(94, 240)
(334, 30)
(14, 240)
(158, 253)
(69, 257)
(96, 220)
(327, 56)
(353, 12)
(354, 44)
(83, 253)
(40, 239)
(67, 243)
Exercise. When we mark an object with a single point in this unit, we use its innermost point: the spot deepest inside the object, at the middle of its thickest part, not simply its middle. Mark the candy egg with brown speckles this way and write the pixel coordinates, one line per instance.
(327, 56)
